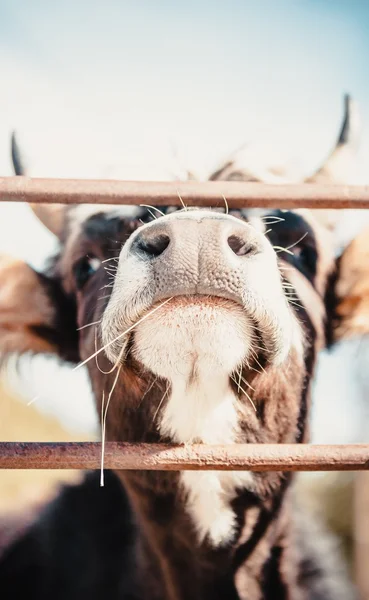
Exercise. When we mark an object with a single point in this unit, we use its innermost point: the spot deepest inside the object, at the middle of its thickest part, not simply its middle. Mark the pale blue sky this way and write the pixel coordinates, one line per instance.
(100, 89)
(208, 74)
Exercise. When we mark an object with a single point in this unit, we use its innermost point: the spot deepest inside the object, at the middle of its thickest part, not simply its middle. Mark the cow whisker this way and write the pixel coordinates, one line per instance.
(88, 325)
(275, 219)
(160, 403)
(239, 380)
(108, 259)
(274, 222)
(33, 400)
(115, 364)
(252, 368)
(287, 284)
(122, 334)
(153, 208)
(256, 370)
(292, 298)
(279, 249)
(103, 425)
(246, 382)
(260, 348)
(256, 360)
(183, 204)
(226, 204)
(298, 241)
(102, 440)
(149, 388)
(246, 394)
(152, 214)
(295, 303)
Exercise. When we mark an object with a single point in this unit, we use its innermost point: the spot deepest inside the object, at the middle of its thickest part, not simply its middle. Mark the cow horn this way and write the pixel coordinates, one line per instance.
(340, 164)
(52, 216)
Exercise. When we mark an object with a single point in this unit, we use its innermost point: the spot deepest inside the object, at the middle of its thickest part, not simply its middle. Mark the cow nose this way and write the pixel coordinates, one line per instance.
(198, 252)
(195, 234)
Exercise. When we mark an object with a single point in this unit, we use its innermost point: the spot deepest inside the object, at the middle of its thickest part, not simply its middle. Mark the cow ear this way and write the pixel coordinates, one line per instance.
(25, 309)
(29, 312)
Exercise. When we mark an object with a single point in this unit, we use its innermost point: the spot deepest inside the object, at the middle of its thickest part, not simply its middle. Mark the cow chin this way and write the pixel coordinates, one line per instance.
(194, 335)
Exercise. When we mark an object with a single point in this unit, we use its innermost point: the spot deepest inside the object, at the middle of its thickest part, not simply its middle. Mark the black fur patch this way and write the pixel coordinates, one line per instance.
(82, 548)
(297, 236)
(273, 586)
(64, 332)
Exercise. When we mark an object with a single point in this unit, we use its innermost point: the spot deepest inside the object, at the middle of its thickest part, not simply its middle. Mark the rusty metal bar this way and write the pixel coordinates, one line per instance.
(162, 457)
(193, 193)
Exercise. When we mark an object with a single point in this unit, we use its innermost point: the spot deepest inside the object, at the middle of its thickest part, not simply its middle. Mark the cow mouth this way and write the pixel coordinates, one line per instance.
(192, 329)
(201, 294)
(200, 300)
(197, 323)
(187, 310)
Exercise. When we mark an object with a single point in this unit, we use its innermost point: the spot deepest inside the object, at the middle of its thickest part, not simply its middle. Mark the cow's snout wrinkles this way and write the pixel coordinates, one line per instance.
(193, 254)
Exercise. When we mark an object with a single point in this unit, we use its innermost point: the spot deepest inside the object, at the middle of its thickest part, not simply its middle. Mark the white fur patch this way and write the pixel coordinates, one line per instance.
(55, 389)
(206, 412)
(196, 346)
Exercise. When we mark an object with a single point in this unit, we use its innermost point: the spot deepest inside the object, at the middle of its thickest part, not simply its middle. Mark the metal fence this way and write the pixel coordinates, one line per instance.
(257, 457)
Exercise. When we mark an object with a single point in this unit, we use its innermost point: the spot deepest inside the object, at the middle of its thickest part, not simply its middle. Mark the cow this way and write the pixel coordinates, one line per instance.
(196, 326)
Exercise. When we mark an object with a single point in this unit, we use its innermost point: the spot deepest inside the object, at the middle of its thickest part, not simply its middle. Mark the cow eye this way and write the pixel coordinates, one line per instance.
(84, 269)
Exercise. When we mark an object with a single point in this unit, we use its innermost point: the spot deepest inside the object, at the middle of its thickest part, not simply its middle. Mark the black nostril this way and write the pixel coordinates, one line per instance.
(239, 246)
(153, 247)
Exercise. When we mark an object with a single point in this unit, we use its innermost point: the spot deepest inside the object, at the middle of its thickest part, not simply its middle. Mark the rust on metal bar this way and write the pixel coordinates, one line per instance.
(163, 457)
(193, 193)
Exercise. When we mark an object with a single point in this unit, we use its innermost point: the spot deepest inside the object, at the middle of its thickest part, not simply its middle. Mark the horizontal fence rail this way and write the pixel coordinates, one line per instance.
(193, 193)
(162, 457)
(253, 457)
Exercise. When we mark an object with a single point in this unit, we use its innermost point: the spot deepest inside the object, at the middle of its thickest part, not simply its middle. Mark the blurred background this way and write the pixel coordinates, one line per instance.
(118, 88)
(145, 90)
